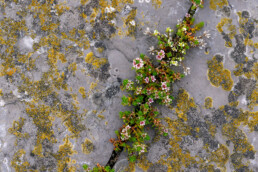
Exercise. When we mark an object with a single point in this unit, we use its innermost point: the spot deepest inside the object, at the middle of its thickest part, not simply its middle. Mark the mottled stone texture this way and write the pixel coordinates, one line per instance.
(62, 64)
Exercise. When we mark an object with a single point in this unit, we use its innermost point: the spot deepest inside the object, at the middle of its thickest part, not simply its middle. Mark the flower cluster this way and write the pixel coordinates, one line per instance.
(172, 46)
(137, 63)
(125, 133)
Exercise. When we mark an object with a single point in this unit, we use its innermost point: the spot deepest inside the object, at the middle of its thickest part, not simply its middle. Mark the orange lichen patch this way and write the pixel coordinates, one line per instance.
(53, 56)
(238, 138)
(220, 156)
(84, 2)
(156, 3)
(253, 99)
(10, 72)
(255, 70)
(1, 92)
(72, 67)
(219, 3)
(19, 162)
(42, 119)
(93, 85)
(143, 163)
(230, 27)
(63, 157)
(239, 69)
(218, 76)
(184, 103)
(130, 22)
(17, 129)
(87, 146)
(82, 92)
(208, 103)
(96, 62)
(178, 158)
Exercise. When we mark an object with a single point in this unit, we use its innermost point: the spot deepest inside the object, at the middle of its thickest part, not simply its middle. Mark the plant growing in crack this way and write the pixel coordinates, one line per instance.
(153, 85)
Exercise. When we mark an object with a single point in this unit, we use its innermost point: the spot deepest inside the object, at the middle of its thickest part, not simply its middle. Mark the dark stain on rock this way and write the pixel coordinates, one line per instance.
(238, 54)
(218, 118)
(232, 111)
(244, 86)
(97, 99)
(112, 91)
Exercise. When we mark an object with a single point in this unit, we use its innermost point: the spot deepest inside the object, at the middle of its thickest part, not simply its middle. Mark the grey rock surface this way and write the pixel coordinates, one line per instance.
(62, 64)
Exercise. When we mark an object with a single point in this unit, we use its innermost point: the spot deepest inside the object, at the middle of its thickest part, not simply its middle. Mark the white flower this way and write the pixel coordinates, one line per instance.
(151, 48)
(184, 29)
(207, 34)
(179, 21)
(168, 29)
(132, 22)
(110, 9)
(186, 70)
(181, 44)
(147, 31)
(156, 32)
(174, 49)
(175, 63)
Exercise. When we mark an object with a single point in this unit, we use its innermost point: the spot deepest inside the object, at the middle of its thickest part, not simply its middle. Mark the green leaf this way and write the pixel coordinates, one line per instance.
(85, 166)
(169, 54)
(132, 158)
(147, 137)
(197, 2)
(125, 82)
(125, 101)
(165, 134)
(142, 55)
(117, 133)
(179, 33)
(199, 25)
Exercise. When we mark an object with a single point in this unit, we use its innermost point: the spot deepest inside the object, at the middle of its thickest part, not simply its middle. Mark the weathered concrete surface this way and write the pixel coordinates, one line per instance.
(60, 103)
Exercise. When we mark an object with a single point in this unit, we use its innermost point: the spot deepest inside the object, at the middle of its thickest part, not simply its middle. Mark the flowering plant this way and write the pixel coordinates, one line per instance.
(172, 46)
(152, 84)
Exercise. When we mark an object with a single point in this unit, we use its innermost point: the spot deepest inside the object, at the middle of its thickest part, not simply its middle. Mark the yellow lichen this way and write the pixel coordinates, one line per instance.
(96, 62)
(208, 103)
(156, 3)
(64, 162)
(220, 156)
(17, 129)
(253, 99)
(219, 3)
(19, 162)
(218, 76)
(87, 146)
(184, 103)
(82, 92)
